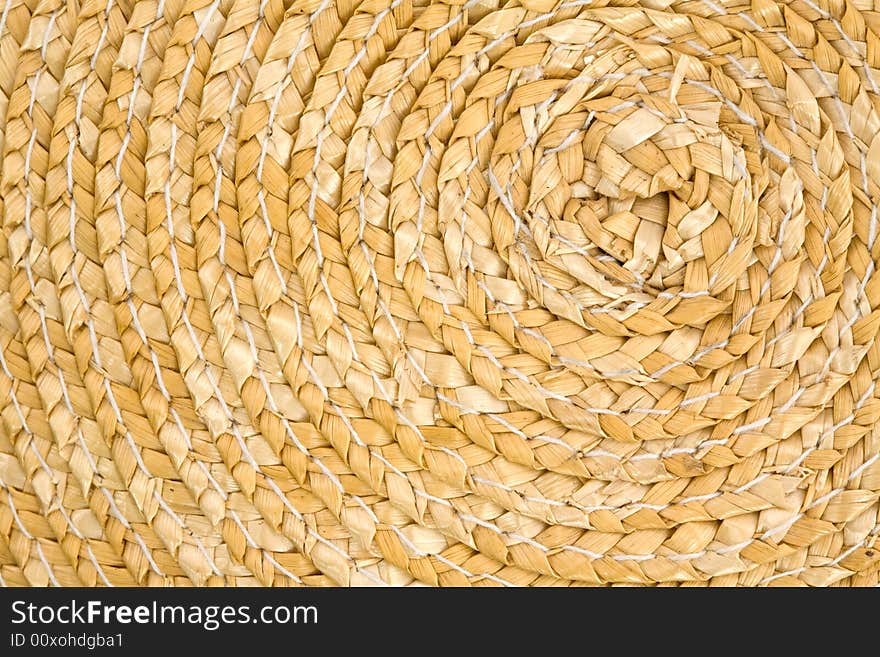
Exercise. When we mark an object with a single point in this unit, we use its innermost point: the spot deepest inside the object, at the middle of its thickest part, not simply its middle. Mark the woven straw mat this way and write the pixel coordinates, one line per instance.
(341, 292)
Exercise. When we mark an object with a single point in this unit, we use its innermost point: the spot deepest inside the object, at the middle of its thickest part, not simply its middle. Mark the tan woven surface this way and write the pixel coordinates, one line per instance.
(529, 293)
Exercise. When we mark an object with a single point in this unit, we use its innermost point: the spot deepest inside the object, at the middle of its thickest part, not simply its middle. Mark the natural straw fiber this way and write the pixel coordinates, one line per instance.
(350, 292)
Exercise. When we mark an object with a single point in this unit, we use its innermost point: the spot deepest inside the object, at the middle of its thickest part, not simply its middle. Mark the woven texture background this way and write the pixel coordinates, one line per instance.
(357, 292)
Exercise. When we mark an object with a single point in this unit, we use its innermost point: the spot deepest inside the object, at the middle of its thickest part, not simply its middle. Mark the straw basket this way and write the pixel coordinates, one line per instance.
(347, 292)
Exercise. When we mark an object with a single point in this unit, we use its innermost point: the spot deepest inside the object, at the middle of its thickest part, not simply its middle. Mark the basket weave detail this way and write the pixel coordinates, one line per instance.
(333, 292)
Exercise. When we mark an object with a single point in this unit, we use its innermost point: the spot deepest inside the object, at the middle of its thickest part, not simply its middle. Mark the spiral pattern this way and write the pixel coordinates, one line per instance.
(452, 292)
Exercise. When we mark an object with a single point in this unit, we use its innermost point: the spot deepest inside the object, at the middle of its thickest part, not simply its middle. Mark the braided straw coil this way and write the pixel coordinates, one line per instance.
(446, 292)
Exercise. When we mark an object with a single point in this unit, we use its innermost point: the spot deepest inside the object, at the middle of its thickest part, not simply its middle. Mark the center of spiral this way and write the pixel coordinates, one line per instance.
(625, 222)
(621, 212)
(622, 197)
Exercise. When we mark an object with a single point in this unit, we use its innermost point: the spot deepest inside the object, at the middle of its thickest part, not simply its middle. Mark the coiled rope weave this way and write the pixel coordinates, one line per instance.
(340, 292)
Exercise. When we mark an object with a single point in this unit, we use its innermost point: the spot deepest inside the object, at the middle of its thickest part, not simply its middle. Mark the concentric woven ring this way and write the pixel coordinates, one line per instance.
(447, 293)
